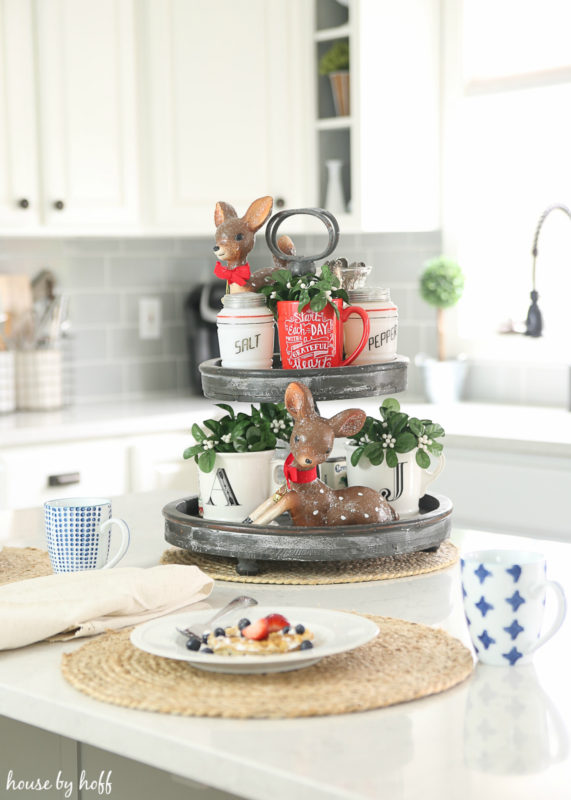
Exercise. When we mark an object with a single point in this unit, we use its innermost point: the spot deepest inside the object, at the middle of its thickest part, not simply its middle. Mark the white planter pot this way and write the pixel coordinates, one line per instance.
(236, 486)
(401, 486)
(443, 381)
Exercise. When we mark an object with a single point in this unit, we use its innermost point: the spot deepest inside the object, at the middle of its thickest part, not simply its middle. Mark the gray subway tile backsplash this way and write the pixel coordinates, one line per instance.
(106, 278)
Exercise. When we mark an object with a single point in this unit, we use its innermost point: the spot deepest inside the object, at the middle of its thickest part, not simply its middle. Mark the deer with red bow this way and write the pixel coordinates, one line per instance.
(235, 238)
(309, 501)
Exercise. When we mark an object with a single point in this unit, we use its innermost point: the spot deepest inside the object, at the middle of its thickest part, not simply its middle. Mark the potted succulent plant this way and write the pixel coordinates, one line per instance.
(233, 455)
(442, 285)
(310, 314)
(392, 455)
(335, 63)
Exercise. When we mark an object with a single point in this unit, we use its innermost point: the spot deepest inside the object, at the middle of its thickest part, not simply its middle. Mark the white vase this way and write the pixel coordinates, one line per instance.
(334, 195)
(443, 381)
(237, 485)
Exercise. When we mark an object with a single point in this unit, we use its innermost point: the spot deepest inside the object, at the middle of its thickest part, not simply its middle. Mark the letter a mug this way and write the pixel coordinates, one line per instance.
(78, 532)
(314, 339)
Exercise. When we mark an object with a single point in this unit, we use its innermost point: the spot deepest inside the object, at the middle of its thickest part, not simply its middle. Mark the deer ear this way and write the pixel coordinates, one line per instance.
(223, 212)
(299, 401)
(286, 245)
(348, 422)
(258, 213)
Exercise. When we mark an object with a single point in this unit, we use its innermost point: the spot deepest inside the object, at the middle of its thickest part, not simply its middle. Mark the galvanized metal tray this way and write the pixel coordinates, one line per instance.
(335, 383)
(286, 542)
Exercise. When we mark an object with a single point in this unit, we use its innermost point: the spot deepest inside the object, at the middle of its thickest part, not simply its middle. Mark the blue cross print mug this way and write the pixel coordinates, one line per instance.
(78, 532)
(504, 599)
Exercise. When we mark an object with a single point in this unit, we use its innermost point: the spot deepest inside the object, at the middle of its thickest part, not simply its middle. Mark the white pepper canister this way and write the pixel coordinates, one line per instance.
(383, 318)
(245, 331)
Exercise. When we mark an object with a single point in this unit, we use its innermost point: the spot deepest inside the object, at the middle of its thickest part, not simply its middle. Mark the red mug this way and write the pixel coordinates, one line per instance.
(314, 339)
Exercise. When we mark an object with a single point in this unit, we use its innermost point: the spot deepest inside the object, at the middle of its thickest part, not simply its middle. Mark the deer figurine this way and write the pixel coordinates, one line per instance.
(235, 237)
(309, 501)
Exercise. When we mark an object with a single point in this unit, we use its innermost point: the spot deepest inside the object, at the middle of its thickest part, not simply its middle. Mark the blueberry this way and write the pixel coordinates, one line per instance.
(205, 637)
(287, 629)
(206, 650)
(244, 622)
(219, 632)
(193, 643)
(300, 628)
(305, 645)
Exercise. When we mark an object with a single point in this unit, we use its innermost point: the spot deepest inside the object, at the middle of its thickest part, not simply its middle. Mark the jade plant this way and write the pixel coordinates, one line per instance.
(441, 285)
(239, 433)
(317, 291)
(336, 59)
(393, 433)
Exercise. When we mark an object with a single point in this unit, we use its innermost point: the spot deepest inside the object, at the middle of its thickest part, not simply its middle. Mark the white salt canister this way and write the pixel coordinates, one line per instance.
(245, 331)
(383, 319)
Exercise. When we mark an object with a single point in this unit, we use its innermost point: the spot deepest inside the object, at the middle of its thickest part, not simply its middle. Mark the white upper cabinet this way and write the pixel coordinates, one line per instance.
(228, 118)
(19, 189)
(69, 114)
(87, 107)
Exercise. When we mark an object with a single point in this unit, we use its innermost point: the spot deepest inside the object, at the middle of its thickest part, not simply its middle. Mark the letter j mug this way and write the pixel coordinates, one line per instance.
(78, 533)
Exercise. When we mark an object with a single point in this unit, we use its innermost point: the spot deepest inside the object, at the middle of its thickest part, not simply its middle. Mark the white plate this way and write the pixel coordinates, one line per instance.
(335, 632)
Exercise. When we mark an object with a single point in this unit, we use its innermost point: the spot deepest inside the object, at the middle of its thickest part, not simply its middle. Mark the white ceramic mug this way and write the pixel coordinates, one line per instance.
(236, 486)
(78, 532)
(504, 598)
(401, 486)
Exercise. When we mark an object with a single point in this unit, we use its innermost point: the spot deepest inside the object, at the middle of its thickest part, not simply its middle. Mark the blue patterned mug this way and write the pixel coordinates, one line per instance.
(78, 532)
(504, 599)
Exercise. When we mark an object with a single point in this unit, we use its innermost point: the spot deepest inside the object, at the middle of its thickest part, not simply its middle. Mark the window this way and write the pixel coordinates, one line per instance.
(507, 157)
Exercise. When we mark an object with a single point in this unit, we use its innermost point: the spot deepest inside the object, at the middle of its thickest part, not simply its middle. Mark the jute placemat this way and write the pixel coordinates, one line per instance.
(406, 661)
(21, 563)
(318, 572)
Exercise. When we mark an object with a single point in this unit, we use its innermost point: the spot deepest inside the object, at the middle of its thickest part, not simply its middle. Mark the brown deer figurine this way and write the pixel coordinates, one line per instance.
(235, 237)
(309, 501)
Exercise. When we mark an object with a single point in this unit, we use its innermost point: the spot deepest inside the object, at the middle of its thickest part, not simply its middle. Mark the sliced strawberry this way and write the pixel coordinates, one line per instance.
(257, 630)
(276, 622)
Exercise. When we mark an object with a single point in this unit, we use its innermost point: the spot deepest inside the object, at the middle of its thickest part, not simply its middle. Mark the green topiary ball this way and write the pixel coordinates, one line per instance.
(442, 283)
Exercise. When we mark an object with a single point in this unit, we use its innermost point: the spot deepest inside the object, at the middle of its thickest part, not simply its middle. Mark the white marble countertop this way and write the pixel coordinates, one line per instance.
(538, 430)
(429, 748)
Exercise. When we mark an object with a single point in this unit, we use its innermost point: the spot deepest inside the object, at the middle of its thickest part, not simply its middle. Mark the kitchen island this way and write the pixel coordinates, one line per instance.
(500, 734)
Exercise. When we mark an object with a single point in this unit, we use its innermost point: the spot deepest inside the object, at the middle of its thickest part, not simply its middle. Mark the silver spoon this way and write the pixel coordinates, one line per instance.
(199, 628)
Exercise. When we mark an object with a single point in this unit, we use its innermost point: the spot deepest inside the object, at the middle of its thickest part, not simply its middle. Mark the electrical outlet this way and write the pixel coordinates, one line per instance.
(150, 318)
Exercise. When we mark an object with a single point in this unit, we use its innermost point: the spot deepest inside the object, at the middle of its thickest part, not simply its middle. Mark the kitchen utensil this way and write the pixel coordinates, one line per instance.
(334, 631)
(238, 602)
(78, 532)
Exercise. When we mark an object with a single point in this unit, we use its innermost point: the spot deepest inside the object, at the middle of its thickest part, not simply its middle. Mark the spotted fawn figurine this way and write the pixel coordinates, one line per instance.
(235, 237)
(309, 501)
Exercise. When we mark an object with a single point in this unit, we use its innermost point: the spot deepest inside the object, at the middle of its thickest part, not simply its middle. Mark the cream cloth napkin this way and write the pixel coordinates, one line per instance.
(73, 604)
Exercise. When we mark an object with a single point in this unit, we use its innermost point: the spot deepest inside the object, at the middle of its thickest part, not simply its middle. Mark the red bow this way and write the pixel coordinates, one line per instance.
(237, 275)
(295, 475)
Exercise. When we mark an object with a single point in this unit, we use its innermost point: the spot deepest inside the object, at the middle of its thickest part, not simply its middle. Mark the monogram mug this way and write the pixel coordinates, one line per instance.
(401, 486)
(78, 533)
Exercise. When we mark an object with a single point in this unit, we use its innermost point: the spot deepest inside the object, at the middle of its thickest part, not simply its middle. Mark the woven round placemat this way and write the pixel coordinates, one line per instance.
(405, 661)
(317, 572)
(21, 563)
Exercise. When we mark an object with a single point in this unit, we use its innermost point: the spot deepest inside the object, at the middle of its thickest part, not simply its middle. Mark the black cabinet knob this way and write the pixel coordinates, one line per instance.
(59, 205)
(24, 203)
(280, 202)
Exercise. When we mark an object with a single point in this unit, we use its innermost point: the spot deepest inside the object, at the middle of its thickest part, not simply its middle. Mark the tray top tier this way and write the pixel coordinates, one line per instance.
(335, 383)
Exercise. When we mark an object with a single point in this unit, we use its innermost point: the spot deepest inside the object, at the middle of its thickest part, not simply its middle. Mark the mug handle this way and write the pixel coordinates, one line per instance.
(125, 539)
(561, 612)
(428, 477)
(345, 313)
